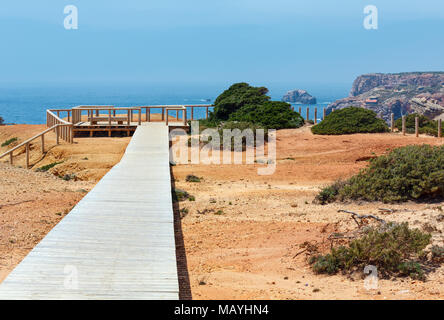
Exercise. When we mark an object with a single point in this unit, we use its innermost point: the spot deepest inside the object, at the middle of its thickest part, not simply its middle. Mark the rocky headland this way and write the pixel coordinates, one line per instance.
(400, 93)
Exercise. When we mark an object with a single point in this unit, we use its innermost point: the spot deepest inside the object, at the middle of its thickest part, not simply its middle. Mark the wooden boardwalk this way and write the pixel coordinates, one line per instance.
(118, 241)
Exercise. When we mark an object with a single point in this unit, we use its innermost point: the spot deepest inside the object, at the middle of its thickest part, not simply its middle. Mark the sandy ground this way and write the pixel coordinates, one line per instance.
(243, 232)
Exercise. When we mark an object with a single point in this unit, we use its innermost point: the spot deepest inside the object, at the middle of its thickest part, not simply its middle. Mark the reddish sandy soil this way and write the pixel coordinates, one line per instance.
(244, 231)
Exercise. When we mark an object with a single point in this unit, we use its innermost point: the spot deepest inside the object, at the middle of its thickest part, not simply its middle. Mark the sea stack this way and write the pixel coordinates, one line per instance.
(299, 96)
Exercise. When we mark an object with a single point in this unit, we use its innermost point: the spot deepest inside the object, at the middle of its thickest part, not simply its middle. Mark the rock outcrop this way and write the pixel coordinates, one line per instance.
(401, 93)
(299, 96)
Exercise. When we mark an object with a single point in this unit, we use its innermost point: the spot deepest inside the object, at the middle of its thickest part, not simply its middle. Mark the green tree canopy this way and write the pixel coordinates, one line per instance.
(235, 97)
(270, 115)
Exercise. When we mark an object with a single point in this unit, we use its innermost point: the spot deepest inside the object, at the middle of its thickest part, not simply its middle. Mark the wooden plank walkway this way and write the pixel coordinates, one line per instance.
(119, 238)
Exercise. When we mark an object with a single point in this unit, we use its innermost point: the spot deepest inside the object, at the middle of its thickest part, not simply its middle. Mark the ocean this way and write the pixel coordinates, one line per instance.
(28, 104)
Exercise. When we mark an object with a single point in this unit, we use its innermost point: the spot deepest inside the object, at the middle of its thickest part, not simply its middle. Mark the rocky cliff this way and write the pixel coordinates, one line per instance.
(299, 96)
(401, 93)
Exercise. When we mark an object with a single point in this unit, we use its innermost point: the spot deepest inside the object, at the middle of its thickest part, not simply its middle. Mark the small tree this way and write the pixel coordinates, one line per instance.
(235, 97)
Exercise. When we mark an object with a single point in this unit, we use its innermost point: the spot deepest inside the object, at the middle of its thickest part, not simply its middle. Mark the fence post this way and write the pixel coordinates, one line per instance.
(439, 128)
(316, 116)
(27, 155)
(417, 126)
(324, 114)
(10, 158)
(206, 114)
(57, 134)
(166, 118)
(308, 113)
(192, 113)
(392, 122)
(403, 125)
(300, 111)
(43, 143)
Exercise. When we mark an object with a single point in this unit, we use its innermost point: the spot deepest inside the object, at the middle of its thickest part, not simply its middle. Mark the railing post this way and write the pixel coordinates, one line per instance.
(403, 125)
(417, 126)
(192, 113)
(166, 116)
(140, 116)
(10, 158)
(57, 134)
(148, 114)
(206, 116)
(324, 114)
(109, 117)
(308, 113)
(43, 143)
(300, 111)
(185, 116)
(27, 155)
(316, 116)
(163, 113)
(439, 128)
(128, 119)
(392, 122)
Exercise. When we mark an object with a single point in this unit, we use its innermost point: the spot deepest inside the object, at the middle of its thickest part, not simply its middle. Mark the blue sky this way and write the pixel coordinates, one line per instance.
(195, 42)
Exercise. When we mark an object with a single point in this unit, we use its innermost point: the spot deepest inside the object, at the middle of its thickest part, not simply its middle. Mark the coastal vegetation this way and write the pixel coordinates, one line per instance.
(1, 120)
(350, 120)
(9, 141)
(426, 126)
(406, 173)
(395, 249)
(247, 104)
(48, 166)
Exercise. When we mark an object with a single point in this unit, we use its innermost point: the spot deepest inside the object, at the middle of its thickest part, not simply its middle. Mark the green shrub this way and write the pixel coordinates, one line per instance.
(391, 249)
(1, 120)
(235, 97)
(179, 195)
(48, 166)
(330, 193)
(244, 103)
(406, 173)
(192, 178)
(270, 115)
(426, 126)
(9, 141)
(350, 120)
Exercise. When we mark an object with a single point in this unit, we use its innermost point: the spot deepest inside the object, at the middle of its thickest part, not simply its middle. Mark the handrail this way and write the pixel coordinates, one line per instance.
(27, 142)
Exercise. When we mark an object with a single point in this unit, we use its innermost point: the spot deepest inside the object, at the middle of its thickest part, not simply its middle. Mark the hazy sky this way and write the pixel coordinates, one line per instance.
(209, 41)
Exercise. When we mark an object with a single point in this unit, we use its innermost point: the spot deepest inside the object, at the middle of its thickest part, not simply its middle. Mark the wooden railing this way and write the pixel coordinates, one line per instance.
(63, 129)
(178, 108)
(57, 128)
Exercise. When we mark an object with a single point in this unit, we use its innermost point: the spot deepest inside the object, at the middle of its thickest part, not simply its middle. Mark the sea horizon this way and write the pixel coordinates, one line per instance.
(27, 103)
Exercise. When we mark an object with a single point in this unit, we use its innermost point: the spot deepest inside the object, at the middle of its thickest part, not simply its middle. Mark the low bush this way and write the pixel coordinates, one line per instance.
(350, 120)
(406, 173)
(1, 120)
(180, 195)
(393, 249)
(426, 126)
(9, 141)
(48, 166)
(192, 178)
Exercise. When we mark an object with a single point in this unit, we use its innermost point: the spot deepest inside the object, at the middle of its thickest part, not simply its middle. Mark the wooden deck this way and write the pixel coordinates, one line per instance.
(118, 240)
